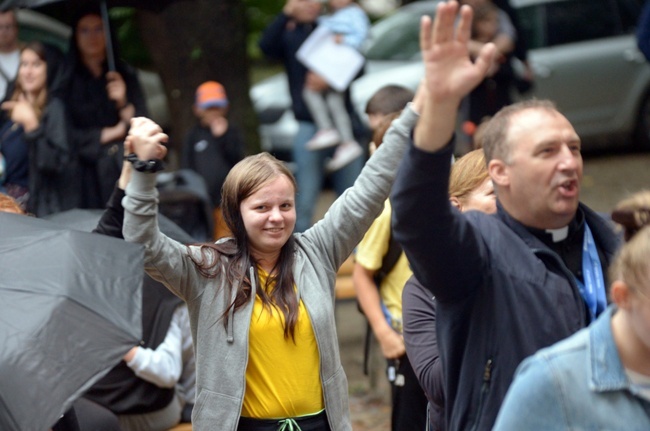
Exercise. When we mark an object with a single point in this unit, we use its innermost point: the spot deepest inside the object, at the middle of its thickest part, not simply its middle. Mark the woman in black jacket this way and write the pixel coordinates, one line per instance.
(101, 104)
(40, 162)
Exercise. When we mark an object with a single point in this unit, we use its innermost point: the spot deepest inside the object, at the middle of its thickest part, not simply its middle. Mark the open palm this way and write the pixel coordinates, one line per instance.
(449, 71)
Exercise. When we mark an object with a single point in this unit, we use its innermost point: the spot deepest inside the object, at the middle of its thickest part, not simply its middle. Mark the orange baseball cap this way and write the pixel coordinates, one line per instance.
(211, 94)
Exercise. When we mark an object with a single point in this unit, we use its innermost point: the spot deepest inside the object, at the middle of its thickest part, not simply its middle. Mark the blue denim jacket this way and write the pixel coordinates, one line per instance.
(576, 384)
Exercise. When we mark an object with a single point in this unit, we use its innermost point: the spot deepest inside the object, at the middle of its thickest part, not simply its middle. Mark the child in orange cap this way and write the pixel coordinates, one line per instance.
(212, 147)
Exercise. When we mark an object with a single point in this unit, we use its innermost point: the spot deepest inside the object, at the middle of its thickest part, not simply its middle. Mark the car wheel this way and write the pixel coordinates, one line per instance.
(642, 133)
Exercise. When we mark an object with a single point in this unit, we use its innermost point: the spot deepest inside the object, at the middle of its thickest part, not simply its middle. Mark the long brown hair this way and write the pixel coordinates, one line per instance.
(244, 179)
(41, 98)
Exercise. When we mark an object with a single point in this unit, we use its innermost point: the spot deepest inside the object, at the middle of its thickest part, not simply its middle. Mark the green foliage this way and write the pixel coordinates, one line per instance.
(259, 13)
(125, 28)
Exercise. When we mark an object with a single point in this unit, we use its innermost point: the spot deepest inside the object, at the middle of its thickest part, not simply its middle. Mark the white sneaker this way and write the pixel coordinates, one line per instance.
(323, 139)
(345, 153)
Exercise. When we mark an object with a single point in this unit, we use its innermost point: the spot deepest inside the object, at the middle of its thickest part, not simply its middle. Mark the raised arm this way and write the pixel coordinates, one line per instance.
(166, 260)
(436, 238)
(450, 74)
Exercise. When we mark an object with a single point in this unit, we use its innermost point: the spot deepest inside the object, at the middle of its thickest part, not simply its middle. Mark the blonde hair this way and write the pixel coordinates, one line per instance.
(467, 174)
(632, 263)
(9, 205)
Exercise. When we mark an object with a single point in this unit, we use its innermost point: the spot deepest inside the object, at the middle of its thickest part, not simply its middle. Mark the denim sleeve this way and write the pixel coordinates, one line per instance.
(534, 399)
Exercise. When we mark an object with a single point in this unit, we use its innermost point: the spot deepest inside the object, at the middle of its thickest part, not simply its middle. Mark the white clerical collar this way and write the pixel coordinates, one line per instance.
(558, 234)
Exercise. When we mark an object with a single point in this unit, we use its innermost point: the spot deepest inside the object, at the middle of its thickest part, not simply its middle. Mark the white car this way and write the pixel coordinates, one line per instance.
(582, 52)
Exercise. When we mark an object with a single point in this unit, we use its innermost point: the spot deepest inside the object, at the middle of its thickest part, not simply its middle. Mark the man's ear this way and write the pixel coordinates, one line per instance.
(499, 173)
(620, 294)
(456, 203)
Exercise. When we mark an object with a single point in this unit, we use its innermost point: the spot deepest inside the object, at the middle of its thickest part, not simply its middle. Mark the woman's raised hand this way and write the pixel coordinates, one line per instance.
(147, 139)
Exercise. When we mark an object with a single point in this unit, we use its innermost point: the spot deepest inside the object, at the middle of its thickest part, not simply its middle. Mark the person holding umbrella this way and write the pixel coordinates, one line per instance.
(261, 302)
(101, 103)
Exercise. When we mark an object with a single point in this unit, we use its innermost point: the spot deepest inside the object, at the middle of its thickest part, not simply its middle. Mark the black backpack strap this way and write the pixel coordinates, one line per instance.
(390, 259)
(387, 264)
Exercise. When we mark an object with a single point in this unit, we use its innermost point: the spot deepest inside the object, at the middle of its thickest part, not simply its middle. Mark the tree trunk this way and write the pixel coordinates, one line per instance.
(195, 41)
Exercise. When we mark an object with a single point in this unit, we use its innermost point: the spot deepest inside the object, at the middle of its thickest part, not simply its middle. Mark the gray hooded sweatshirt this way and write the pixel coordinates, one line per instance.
(222, 352)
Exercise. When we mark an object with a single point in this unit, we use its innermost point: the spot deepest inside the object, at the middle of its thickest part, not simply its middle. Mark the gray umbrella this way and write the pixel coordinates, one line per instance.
(86, 220)
(70, 308)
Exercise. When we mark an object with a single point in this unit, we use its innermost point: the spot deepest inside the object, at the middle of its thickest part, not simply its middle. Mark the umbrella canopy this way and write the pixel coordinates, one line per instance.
(70, 308)
(86, 220)
(151, 5)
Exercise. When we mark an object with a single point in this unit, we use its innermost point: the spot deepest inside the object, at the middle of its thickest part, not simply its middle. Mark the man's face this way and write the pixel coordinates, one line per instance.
(307, 10)
(540, 185)
(8, 31)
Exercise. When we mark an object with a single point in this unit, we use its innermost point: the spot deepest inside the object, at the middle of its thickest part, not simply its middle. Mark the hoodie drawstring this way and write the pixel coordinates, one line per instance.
(288, 425)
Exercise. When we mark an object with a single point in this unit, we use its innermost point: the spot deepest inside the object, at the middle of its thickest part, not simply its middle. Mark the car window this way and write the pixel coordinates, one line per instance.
(395, 38)
(562, 22)
(27, 33)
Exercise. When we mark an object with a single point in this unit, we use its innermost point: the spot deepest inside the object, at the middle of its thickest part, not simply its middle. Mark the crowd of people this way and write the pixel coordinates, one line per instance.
(499, 300)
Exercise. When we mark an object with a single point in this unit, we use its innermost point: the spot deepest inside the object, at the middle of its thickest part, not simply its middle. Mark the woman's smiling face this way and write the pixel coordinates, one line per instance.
(269, 216)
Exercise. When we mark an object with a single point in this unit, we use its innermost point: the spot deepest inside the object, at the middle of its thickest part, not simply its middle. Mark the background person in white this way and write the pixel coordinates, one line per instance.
(9, 50)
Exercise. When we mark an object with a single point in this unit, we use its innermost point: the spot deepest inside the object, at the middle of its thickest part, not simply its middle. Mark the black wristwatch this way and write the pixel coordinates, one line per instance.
(150, 166)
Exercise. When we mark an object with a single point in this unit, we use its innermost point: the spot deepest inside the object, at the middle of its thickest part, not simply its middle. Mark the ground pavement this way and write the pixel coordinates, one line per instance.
(369, 395)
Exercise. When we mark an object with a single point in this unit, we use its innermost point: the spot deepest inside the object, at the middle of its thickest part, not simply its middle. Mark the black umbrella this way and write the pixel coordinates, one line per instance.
(70, 309)
(86, 220)
(151, 5)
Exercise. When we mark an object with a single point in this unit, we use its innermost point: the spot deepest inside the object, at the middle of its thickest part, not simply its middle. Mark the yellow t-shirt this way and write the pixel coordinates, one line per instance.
(370, 253)
(282, 377)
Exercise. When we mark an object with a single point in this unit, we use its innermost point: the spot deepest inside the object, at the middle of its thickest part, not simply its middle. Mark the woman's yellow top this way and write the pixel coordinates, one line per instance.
(282, 377)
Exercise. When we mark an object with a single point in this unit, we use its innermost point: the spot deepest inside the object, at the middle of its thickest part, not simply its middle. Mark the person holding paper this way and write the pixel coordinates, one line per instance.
(349, 25)
(281, 40)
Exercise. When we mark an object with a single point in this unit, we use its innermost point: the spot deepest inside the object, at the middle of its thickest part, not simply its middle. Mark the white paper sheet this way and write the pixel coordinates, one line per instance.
(337, 63)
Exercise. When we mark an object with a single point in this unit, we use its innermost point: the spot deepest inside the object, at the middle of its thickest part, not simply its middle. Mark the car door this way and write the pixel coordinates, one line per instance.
(584, 58)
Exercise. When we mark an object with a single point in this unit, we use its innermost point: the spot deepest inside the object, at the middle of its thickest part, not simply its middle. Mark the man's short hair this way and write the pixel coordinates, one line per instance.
(13, 11)
(389, 99)
(494, 136)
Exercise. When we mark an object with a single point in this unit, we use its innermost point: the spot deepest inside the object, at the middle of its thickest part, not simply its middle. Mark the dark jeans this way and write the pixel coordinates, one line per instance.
(316, 422)
(409, 402)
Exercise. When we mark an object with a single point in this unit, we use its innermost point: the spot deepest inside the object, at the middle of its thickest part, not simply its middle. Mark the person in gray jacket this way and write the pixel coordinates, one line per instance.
(261, 303)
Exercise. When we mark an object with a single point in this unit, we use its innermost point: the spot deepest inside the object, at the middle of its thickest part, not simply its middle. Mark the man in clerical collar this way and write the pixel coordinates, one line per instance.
(506, 284)
(535, 163)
